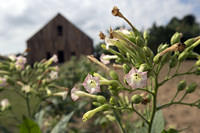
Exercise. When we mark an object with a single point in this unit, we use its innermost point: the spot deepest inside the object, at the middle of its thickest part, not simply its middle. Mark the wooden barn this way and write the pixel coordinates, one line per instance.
(60, 37)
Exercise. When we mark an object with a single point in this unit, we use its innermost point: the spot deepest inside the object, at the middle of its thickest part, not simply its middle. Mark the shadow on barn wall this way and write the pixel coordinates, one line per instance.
(60, 37)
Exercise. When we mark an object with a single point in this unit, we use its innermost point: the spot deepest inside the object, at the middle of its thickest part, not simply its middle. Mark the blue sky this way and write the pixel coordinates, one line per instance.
(20, 19)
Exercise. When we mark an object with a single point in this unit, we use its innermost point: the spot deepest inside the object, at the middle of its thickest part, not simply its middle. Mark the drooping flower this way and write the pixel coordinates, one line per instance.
(54, 58)
(26, 88)
(136, 79)
(74, 96)
(91, 84)
(3, 82)
(105, 59)
(62, 94)
(53, 75)
(20, 62)
(5, 104)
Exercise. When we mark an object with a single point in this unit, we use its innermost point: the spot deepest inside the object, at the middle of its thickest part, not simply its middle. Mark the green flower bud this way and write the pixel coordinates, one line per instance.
(143, 68)
(126, 68)
(101, 99)
(162, 47)
(176, 38)
(173, 61)
(91, 113)
(146, 35)
(197, 63)
(183, 56)
(112, 100)
(148, 52)
(189, 42)
(139, 41)
(165, 58)
(197, 72)
(96, 104)
(191, 88)
(181, 85)
(110, 118)
(113, 75)
(156, 59)
(136, 99)
(190, 48)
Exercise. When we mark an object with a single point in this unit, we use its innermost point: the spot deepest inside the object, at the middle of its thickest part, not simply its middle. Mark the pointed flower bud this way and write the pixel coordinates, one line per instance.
(91, 113)
(113, 74)
(126, 68)
(176, 38)
(91, 84)
(5, 104)
(136, 79)
(191, 88)
(181, 85)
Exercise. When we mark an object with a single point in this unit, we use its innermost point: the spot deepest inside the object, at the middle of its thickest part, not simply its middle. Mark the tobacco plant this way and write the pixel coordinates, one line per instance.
(138, 84)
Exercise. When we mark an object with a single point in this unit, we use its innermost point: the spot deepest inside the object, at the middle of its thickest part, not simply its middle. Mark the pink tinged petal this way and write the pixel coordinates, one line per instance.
(103, 60)
(73, 94)
(3, 82)
(91, 84)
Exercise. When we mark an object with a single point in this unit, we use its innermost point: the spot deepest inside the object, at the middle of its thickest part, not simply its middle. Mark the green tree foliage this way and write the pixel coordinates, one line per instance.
(161, 34)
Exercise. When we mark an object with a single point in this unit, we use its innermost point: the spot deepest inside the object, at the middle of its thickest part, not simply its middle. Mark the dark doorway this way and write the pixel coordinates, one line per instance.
(73, 53)
(59, 30)
(48, 55)
(61, 57)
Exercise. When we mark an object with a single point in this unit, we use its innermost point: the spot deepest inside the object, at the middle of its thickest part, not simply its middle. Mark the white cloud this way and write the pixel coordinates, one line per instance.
(20, 19)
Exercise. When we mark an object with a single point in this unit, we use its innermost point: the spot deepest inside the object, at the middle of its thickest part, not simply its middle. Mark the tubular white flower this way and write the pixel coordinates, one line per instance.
(26, 88)
(5, 104)
(91, 84)
(106, 58)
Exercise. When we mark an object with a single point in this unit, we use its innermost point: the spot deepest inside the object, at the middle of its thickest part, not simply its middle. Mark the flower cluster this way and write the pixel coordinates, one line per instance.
(20, 62)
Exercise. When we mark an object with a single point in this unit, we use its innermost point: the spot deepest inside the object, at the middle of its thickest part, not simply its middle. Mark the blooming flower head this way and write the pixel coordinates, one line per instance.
(2, 82)
(74, 96)
(105, 59)
(91, 84)
(26, 88)
(4, 104)
(20, 62)
(53, 75)
(54, 58)
(136, 79)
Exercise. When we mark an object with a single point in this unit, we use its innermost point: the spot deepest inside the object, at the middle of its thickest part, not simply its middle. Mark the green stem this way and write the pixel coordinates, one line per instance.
(140, 115)
(175, 96)
(183, 97)
(28, 106)
(139, 89)
(119, 123)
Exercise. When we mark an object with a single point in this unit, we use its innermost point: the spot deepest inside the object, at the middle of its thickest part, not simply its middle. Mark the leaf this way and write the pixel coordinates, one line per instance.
(29, 126)
(61, 125)
(158, 123)
(39, 117)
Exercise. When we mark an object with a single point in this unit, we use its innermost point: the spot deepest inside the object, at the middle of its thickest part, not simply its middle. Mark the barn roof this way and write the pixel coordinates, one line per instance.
(53, 19)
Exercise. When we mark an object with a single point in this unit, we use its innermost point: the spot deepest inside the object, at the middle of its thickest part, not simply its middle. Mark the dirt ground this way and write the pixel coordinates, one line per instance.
(180, 116)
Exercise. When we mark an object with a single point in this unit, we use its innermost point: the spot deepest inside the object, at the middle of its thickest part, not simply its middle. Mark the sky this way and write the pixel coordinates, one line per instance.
(20, 19)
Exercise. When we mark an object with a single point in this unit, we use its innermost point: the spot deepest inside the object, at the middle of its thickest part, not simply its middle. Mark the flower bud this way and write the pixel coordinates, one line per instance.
(176, 38)
(143, 68)
(173, 61)
(136, 99)
(5, 104)
(126, 68)
(181, 85)
(101, 99)
(148, 52)
(139, 41)
(113, 75)
(96, 104)
(112, 100)
(197, 72)
(162, 47)
(189, 42)
(91, 113)
(156, 59)
(183, 56)
(191, 88)
(197, 63)
(110, 118)
(146, 35)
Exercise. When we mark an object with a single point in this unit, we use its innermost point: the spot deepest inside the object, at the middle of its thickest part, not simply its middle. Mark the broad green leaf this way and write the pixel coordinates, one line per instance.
(61, 125)
(29, 126)
(158, 123)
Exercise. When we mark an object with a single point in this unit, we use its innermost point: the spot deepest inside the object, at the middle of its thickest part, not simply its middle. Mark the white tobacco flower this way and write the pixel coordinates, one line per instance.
(62, 94)
(12, 57)
(136, 79)
(26, 88)
(53, 75)
(3, 82)
(20, 62)
(5, 104)
(91, 84)
(74, 96)
(105, 59)
(54, 58)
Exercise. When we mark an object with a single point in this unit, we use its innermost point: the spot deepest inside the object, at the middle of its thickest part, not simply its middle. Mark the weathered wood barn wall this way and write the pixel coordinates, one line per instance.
(59, 37)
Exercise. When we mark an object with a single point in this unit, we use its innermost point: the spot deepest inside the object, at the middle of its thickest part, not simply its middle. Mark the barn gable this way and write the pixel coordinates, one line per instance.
(61, 37)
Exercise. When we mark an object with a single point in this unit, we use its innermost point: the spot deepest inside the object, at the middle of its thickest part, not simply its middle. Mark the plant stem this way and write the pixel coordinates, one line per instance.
(119, 123)
(28, 106)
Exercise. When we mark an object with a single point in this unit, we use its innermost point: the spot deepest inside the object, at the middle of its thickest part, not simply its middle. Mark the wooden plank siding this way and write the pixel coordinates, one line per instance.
(59, 36)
